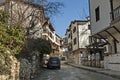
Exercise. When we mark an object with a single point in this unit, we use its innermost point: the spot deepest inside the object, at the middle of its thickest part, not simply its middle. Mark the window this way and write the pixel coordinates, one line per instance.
(74, 29)
(89, 27)
(97, 14)
(69, 36)
(75, 41)
(56, 39)
(51, 35)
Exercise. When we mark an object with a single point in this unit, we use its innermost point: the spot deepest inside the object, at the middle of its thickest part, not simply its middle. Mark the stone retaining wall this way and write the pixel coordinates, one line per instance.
(22, 69)
(14, 70)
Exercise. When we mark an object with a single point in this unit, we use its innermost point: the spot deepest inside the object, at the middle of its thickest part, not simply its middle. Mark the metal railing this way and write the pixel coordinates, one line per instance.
(115, 14)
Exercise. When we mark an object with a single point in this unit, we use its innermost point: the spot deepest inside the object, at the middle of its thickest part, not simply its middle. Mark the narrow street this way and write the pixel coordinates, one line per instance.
(70, 73)
(79, 37)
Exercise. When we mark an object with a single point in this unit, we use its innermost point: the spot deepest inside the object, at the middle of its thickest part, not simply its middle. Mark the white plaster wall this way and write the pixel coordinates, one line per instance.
(113, 60)
(84, 34)
(104, 6)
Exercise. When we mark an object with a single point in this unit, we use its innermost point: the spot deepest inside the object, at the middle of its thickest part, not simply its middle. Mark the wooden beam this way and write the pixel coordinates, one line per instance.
(116, 29)
(111, 35)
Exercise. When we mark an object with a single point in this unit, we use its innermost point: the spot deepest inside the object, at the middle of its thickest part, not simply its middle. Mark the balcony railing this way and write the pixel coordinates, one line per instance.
(115, 14)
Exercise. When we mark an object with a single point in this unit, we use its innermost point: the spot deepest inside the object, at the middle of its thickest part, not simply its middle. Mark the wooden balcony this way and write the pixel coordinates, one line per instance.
(115, 15)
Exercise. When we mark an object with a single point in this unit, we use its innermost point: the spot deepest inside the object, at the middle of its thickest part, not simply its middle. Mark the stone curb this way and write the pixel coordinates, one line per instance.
(108, 74)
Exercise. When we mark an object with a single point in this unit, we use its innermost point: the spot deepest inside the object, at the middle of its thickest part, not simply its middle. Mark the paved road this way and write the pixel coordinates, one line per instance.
(71, 73)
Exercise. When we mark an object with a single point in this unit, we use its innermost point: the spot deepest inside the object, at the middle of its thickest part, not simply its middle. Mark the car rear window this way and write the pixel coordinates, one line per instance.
(54, 60)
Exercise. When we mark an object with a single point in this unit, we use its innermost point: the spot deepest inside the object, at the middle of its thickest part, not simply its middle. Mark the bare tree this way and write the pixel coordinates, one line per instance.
(27, 14)
(50, 8)
(31, 13)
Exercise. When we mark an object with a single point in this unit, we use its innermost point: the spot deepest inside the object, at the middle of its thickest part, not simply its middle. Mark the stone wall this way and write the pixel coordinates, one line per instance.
(4, 77)
(14, 70)
(29, 67)
(25, 69)
(22, 69)
(112, 62)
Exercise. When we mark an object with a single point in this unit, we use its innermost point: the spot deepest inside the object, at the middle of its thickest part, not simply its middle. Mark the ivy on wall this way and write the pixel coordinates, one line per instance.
(11, 42)
(11, 37)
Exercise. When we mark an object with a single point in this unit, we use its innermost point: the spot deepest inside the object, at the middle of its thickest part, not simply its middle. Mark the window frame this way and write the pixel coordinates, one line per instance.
(75, 41)
(74, 29)
(97, 13)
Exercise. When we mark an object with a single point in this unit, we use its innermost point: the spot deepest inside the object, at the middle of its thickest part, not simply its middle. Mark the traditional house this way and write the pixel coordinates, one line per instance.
(30, 15)
(78, 38)
(49, 34)
(105, 21)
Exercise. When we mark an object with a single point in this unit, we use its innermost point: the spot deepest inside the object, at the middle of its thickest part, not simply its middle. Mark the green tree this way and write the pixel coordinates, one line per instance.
(11, 42)
(11, 37)
(41, 45)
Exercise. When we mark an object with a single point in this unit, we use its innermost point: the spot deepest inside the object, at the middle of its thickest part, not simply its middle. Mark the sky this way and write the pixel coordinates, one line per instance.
(72, 10)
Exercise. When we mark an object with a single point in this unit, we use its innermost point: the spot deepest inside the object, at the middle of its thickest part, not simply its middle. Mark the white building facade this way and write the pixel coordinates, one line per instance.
(78, 38)
(50, 35)
(105, 25)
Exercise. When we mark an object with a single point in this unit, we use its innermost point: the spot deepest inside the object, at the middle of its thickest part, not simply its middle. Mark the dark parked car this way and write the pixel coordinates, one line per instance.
(54, 62)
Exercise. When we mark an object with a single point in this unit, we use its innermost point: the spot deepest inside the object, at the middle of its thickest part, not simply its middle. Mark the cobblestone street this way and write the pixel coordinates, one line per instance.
(71, 73)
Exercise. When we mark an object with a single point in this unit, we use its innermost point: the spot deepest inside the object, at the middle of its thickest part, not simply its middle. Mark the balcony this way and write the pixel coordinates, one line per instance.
(45, 32)
(115, 15)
